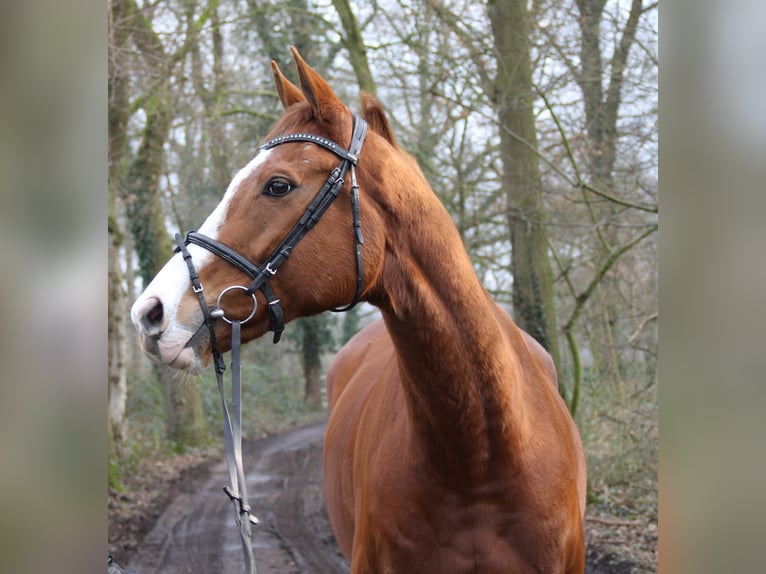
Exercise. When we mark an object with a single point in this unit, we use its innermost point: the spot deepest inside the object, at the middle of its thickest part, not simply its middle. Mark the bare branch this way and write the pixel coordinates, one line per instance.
(645, 321)
(617, 75)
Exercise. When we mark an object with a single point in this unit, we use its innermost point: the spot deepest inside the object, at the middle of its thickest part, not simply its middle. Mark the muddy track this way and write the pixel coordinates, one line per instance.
(196, 533)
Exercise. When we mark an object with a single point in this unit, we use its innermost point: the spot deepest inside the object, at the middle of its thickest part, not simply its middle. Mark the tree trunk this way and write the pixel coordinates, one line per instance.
(601, 115)
(299, 29)
(312, 360)
(186, 425)
(136, 359)
(354, 44)
(185, 418)
(118, 385)
(211, 99)
(351, 325)
(116, 322)
(532, 275)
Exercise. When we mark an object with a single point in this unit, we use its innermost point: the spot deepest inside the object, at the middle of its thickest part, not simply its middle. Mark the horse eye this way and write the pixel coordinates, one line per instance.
(278, 187)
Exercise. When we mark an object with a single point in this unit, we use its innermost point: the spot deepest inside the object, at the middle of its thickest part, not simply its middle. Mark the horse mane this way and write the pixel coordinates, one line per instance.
(375, 116)
(373, 113)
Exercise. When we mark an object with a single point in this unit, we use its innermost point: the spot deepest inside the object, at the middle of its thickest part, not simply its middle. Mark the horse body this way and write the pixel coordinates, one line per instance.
(448, 448)
(402, 501)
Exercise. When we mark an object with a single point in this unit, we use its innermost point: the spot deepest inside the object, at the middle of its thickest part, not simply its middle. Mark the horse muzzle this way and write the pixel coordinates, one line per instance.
(164, 341)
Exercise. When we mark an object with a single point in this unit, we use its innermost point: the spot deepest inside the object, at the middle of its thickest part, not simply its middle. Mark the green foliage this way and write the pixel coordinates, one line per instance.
(352, 323)
(272, 399)
(114, 475)
(320, 327)
(270, 402)
(146, 435)
(619, 427)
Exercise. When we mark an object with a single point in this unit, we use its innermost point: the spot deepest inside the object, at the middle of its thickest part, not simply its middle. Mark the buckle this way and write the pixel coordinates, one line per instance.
(243, 508)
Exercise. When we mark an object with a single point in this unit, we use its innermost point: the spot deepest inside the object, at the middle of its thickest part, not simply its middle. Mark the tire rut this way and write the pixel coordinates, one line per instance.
(197, 534)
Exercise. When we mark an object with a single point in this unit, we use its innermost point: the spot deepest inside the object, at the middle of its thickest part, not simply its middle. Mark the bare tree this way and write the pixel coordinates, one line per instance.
(514, 95)
(185, 418)
(354, 44)
(511, 92)
(616, 217)
(118, 117)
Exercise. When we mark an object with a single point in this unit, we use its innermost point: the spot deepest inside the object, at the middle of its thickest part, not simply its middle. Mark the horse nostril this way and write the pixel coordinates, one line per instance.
(154, 316)
(151, 314)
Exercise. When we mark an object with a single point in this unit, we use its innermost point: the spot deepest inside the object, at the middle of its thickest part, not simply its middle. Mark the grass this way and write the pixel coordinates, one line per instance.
(620, 432)
(272, 400)
(270, 403)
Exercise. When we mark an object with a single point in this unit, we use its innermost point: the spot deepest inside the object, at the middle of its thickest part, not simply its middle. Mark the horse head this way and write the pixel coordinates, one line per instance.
(261, 207)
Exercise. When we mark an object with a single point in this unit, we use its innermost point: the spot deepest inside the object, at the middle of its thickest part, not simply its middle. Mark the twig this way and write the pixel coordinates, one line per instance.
(644, 322)
(612, 522)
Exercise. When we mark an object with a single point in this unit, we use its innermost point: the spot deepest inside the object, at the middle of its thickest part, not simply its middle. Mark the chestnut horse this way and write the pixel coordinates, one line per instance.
(448, 448)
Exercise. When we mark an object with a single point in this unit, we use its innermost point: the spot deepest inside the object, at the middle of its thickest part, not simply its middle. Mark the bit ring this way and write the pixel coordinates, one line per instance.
(222, 315)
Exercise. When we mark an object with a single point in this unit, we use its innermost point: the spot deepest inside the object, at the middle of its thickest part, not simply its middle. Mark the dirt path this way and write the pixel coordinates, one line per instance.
(196, 532)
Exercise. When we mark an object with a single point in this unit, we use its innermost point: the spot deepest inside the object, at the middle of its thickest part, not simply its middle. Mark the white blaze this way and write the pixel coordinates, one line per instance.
(172, 281)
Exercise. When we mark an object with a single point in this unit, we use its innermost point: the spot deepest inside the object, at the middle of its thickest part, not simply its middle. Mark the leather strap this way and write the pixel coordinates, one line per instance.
(232, 434)
(220, 366)
(276, 314)
(232, 423)
(358, 242)
(350, 155)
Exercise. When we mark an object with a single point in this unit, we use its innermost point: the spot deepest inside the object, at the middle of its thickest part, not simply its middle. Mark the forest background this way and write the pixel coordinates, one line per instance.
(536, 125)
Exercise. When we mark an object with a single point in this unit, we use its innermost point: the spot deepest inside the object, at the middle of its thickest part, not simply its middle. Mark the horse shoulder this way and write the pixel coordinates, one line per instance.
(542, 366)
(351, 358)
(530, 350)
(361, 383)
(543, 358)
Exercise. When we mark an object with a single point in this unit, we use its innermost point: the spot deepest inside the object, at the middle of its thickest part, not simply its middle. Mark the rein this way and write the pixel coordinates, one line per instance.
(232, 423)
(259, 275)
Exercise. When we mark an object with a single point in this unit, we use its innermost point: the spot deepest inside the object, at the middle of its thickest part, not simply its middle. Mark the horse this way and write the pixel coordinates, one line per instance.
(448, 448)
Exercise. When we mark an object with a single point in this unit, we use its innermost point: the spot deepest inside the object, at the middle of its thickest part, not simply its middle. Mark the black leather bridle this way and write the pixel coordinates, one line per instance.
(260, 275)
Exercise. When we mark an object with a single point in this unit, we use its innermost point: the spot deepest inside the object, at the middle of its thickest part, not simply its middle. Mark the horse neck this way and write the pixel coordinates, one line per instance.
(453, 343)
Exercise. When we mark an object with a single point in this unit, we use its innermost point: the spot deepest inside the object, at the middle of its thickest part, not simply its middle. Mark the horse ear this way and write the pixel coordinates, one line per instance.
(288, 92)
(324, 102)
(375, 116)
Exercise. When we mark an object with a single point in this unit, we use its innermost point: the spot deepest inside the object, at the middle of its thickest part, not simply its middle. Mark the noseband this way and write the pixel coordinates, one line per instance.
(259, 275)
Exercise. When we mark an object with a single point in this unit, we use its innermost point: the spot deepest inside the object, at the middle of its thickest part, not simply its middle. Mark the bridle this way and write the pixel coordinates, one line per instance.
(260, 275)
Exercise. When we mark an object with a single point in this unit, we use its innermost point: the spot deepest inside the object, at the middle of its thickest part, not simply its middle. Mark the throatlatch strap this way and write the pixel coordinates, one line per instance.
(358, 242)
